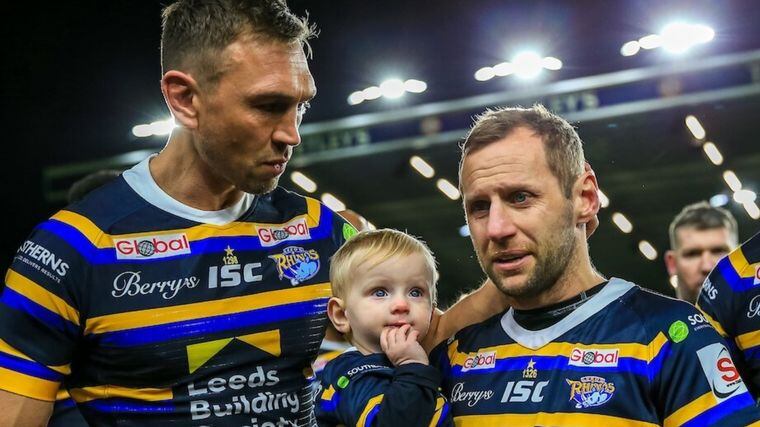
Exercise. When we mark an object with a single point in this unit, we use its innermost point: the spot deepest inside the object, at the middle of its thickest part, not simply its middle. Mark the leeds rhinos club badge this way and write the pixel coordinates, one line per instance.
(296, 264)
(590, 391)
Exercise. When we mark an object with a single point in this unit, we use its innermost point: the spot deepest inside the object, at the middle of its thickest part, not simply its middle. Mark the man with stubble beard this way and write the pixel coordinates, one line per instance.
(575, 348)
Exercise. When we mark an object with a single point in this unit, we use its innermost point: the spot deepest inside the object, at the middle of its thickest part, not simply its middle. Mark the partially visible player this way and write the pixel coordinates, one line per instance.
(384, 290)
(700, 235)
(575, 348)
(730, 298)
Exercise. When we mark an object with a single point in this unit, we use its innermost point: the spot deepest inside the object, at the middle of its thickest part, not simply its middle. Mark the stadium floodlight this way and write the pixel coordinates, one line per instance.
(303, 181)
(392, 88)
(752, 210)
(604, 201)
(372, 92)
(333, 202)
(674, 281)
(551, 63)
(712, 152)
(652, 41)
(421, 166)
(678, 37)
(142, 131)
(464, 231)
(415, 86)
(744, 196)
(631, 48)
(448, 189)
(527, 65)
(503, 69)
(695, 127)
(356, 98)
(719, 200)
(732, 180)
(648, 250)
(622, 222)
(157, 128)
(485, 73)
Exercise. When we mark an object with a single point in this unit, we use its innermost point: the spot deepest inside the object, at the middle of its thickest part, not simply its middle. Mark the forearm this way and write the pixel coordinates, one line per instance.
(20, 411)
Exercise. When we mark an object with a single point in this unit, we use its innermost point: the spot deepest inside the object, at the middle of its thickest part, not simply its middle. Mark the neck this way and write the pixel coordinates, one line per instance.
(182, 174)
(579, 276)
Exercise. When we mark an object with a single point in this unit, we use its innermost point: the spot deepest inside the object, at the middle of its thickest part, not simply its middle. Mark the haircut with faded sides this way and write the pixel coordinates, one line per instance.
(195, 32)
(562, 145)
(371, 248)
(702, 216)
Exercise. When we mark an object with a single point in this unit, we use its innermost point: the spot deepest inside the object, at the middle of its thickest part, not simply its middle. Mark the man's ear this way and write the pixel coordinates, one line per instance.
(586, 197)
(670, 262)
(337, 313)
(181, 94)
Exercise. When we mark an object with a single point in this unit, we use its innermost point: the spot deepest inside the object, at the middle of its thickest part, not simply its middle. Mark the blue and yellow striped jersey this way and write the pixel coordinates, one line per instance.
(367, 390)
(730, 298)
(627, 357)
(155, 318)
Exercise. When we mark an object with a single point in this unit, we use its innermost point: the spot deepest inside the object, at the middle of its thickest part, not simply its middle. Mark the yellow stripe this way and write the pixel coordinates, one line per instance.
(41, 296)
(87, 394)
(740, 263)
(644, 352)
(328, 393)
(101, 240)
(367, 409)
(28, 386)
(8, 349)
(715, 324)
(199, 310)
(438, 412)
(755, 424)
(691, 410)
(62, 394)
(546, 419)
(748, 340)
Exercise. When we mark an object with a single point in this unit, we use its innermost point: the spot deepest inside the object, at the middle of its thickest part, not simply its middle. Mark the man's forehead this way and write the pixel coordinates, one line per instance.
(269, 62)
(696, 237)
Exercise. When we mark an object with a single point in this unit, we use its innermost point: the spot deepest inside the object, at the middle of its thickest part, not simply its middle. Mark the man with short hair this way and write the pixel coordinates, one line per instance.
(575, 348)
(700, 235)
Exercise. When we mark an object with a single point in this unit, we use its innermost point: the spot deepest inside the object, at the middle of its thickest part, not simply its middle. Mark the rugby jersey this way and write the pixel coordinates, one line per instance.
(730, 298)
(160, 313)
(367, 390)
(626, 357)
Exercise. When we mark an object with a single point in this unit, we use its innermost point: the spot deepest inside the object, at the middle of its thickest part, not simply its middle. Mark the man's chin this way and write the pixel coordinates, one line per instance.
(260, 186)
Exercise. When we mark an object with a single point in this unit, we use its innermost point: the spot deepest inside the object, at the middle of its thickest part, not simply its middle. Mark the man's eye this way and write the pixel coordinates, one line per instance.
(274, 107)
(520, 197)
(479, 206)
(379, 293)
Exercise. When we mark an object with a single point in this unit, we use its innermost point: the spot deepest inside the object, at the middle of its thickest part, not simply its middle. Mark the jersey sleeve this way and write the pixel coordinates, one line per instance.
(694, 377)
(407, 397)
(40, 323)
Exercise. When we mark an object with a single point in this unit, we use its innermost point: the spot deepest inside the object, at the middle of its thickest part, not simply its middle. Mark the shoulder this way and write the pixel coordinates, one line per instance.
(657, 310)
(351, 365)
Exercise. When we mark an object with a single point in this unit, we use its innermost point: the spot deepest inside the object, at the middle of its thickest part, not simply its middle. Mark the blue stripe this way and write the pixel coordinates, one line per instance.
(210, 325)
(15, 300)
(625, 364)
(752, 353)
(734, 280)
(371, 416)
(656, 364)
(123, 405)
(28, 367)
(723, 409)
(65, 403)
(444, 414)
(210, 245)
(330, 405)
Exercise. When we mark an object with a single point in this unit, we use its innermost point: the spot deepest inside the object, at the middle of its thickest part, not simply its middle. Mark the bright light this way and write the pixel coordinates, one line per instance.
(372, 92)
(603, 199)
(157, 128)
(552, 63)
(392, 88)
(719, 200)
(744, 196)
(713, 153)
(527, 65)
(674, 281)
(503, 69)
(485, 73)
(622, 222)
(679, 37)
(415, 86)
(752, 210)
(464, 231)
(695, 127)
(648, 250)
(333, 203)
(448, 189)
(356, 98)
(651, 41)
(422, 166)
(631, 48)
(303, 181)
(371, 226)
(732, 180)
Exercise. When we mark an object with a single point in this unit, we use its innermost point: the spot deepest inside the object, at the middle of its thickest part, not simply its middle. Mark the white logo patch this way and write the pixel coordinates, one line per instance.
(598, 358)
(271, 235)
(720, 371)
(163, 246)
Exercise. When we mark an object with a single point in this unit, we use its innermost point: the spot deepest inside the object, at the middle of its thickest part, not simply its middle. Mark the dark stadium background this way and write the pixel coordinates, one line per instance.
(77, 76)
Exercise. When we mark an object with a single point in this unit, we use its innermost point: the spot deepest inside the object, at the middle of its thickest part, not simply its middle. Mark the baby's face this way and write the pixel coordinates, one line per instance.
(392, 293)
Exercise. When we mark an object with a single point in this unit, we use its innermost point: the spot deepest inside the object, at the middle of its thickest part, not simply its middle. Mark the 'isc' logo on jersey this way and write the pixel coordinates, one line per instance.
(232, 273)
(598, 358)
(152, 246)
(522, 391)
(274, 234)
